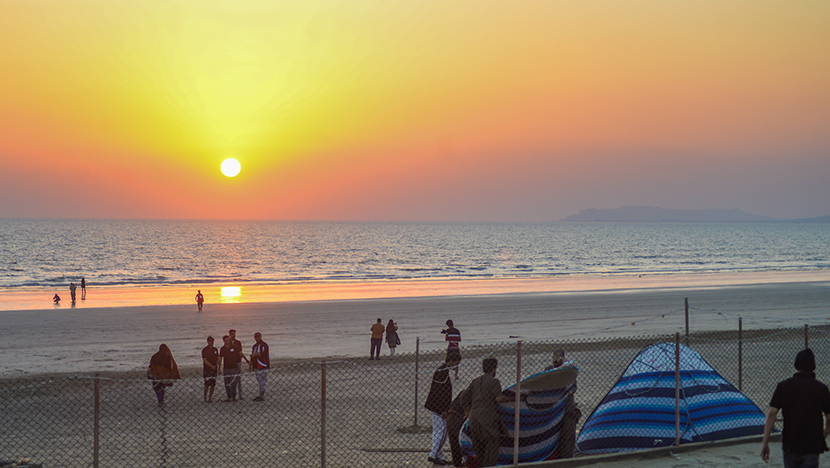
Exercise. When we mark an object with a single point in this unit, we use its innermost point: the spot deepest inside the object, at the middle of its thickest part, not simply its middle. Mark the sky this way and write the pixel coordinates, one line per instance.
(427, 110)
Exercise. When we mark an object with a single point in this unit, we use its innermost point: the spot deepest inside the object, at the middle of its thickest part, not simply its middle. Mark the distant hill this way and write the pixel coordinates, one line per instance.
(820, 219)
(645, 214)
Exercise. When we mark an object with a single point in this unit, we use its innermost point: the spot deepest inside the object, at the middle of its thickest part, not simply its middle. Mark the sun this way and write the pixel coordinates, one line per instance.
(231, 167)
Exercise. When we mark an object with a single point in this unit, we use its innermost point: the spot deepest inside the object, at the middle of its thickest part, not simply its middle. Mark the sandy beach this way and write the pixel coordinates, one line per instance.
(69, 345)
(121, 338)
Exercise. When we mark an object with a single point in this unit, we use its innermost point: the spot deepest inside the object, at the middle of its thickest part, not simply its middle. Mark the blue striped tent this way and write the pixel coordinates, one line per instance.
(639, 411)
(540, 417)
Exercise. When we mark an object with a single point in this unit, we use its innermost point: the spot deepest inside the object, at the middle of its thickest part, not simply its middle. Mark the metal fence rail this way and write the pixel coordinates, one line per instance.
(345, 413)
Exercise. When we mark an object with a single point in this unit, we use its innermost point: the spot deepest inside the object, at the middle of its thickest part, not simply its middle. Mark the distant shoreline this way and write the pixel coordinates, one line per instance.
(39, 298)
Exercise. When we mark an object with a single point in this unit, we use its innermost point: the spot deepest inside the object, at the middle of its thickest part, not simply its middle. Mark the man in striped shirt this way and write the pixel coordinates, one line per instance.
(452, 336)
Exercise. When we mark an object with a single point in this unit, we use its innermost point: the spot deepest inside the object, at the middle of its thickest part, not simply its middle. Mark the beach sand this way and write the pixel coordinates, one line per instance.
(120, 338)
(374, 414)
(369, 404)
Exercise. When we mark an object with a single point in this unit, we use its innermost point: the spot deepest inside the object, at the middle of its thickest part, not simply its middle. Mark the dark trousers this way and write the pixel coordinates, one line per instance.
(801, 460)
(485, 445)
(375, 351)
(567, 437)
(231, 382)
(158, 387)
(454, 423)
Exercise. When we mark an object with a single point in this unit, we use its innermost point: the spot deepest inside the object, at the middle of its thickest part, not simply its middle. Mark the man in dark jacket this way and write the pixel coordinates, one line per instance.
(486, 427)
(803, 400)
(438, 402)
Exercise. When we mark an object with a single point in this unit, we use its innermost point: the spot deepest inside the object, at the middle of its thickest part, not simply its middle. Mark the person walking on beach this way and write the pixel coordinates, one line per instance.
(210, 368)
(83, 289)
(72, 288)
(438, 403)
(392, 337)
(803, 400)
(238, 345)
(486, 427)
(162, 371)
(261, 363)
(229, 359)
(200, 299)
(377, 338)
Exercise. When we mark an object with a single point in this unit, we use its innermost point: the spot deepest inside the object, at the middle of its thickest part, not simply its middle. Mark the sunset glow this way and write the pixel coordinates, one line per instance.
(425, 110)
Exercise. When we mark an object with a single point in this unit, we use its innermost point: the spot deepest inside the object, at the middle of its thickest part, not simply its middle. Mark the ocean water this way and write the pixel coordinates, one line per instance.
(37, 255)
(47, 253)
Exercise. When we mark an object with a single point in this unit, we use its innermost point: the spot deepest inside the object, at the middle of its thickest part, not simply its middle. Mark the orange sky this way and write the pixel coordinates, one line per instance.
(427, 110)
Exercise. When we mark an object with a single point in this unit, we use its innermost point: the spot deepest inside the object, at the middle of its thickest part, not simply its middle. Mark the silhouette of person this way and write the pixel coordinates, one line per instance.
(83, 289)
(200, 299)
(163, 370)
(377, 338)
(72, 288)
(56, 299)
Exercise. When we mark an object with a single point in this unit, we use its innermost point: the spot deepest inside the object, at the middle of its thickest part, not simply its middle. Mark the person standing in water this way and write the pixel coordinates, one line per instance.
(83, 289)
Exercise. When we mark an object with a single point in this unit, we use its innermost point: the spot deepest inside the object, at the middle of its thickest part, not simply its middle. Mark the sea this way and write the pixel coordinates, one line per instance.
(44, 255)
(50, 253)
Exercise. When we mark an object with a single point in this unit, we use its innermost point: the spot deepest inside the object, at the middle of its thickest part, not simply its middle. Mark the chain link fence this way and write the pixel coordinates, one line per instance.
(345, 413)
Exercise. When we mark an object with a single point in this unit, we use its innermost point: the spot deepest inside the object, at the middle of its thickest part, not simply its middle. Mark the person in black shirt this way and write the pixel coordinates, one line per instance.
(438, 402)
(210, 368)
(803, 400)
(229, 358)
(238, 345)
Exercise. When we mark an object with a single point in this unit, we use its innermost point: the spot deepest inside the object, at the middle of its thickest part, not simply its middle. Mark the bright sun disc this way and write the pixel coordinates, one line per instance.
(231, 167)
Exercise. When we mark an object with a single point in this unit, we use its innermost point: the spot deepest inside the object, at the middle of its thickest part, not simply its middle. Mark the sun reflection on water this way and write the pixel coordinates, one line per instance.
(230, 294)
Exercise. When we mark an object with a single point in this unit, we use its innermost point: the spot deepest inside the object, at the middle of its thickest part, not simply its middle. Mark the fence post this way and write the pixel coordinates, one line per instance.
(417, 355)
(323, 414)
(96, 420)
(806, 336)
(740, 353)
(677, 389)
(517, 401)
(687, 320)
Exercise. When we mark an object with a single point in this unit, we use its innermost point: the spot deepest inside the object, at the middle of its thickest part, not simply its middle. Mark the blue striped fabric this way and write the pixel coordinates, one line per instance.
(540, 423)
(639, 411)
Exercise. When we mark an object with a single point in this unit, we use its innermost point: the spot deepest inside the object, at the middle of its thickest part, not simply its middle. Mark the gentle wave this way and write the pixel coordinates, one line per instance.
(49, 253)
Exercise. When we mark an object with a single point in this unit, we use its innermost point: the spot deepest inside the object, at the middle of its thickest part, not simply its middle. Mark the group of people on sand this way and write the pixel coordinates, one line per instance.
(478, 403)
(72, 287)
(804, 400)
(451, 335)
(225, 361)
